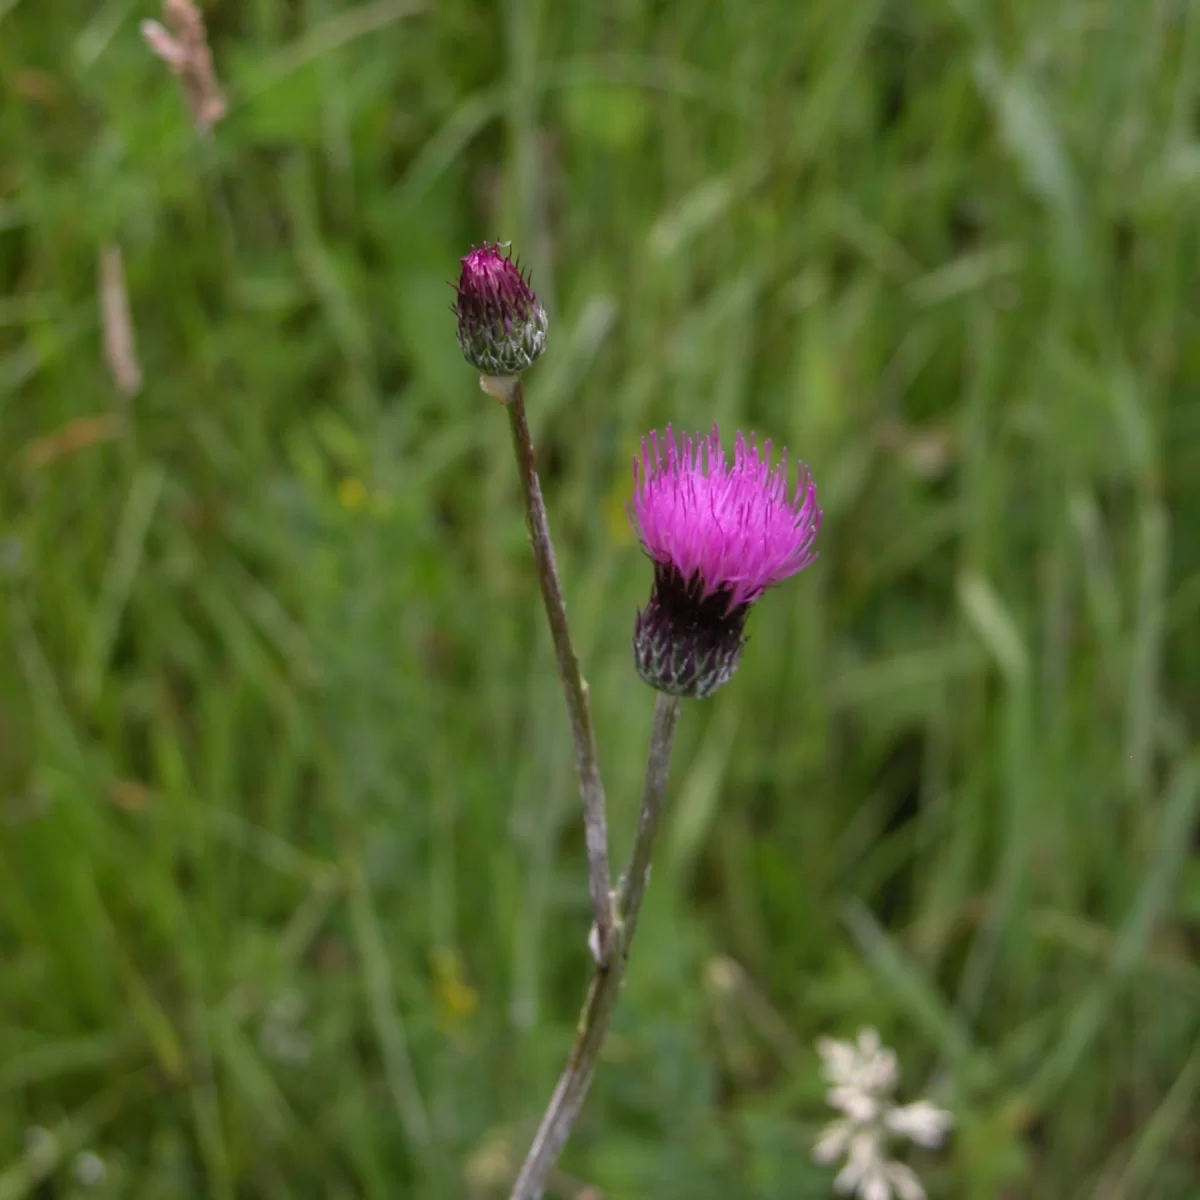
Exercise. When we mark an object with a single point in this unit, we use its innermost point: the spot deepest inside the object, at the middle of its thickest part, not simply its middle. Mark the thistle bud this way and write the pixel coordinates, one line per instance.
(501, 325)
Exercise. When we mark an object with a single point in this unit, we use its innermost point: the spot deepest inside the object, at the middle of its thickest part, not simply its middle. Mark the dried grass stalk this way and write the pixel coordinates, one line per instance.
(183, 45)
(120, 348)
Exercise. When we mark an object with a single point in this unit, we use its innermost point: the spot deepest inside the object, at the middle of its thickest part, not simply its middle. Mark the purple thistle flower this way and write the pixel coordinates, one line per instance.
(720, 534)
(501, 325)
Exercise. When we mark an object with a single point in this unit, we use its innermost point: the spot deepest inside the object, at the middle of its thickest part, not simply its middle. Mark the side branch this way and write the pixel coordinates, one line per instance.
(594, 1022)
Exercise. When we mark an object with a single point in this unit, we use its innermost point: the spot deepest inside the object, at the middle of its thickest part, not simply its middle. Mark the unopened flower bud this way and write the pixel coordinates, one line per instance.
(501, 325)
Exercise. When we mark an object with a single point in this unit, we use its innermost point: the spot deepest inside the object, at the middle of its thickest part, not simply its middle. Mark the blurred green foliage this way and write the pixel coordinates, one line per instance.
(292, 900)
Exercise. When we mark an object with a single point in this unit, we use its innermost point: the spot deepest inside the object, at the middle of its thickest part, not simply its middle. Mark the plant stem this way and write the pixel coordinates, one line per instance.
(637, 875)
(572, 1089)
(591, 788)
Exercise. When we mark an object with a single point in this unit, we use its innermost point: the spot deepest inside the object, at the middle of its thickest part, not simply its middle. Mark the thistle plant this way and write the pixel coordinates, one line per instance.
(719, 532)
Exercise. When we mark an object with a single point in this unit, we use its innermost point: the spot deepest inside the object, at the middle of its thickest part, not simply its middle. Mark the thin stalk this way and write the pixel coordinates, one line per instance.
(591, 788)
(637, 875)
(572, 1089)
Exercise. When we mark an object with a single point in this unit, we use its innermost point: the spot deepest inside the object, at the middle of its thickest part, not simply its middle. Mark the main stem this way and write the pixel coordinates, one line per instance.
(591, 788)
(572, 1089)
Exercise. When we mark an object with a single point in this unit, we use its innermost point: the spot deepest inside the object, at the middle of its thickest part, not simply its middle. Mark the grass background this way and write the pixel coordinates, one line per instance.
(292, 900)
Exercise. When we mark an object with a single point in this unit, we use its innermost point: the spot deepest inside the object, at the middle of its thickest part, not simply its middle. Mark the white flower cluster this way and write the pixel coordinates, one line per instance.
(863, 1075)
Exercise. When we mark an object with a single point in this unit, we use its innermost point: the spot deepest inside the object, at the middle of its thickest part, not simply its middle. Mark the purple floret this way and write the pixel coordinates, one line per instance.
(732, 526)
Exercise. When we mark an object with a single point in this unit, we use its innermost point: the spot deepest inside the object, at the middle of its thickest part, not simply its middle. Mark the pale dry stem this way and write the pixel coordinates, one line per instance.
(120, 348)
(183, 45)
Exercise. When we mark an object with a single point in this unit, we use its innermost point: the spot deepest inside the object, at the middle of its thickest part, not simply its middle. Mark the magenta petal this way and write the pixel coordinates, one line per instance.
(734, 527)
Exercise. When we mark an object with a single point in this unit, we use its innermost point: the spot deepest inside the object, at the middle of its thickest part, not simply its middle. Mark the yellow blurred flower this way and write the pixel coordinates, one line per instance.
(490, 1166)
(352, 493)
(456, 999)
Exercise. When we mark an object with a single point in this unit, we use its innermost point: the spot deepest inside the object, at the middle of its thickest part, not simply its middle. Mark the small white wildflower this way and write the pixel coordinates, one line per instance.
(41, 1146)
(89, 1169)
(863, 1075)
(867, 1066)
(860, 1174)
(833, 1142)
(922, 1122)
(875, 1184)
(860, 1106)
(904, 1180)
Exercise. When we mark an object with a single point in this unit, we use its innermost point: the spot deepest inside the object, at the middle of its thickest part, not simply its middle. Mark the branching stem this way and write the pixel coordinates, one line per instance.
(572, 1089)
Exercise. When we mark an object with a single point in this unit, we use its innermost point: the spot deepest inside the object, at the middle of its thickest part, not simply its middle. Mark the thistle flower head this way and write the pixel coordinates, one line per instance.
(863, 1076)
(501, 325)
(720, 533)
